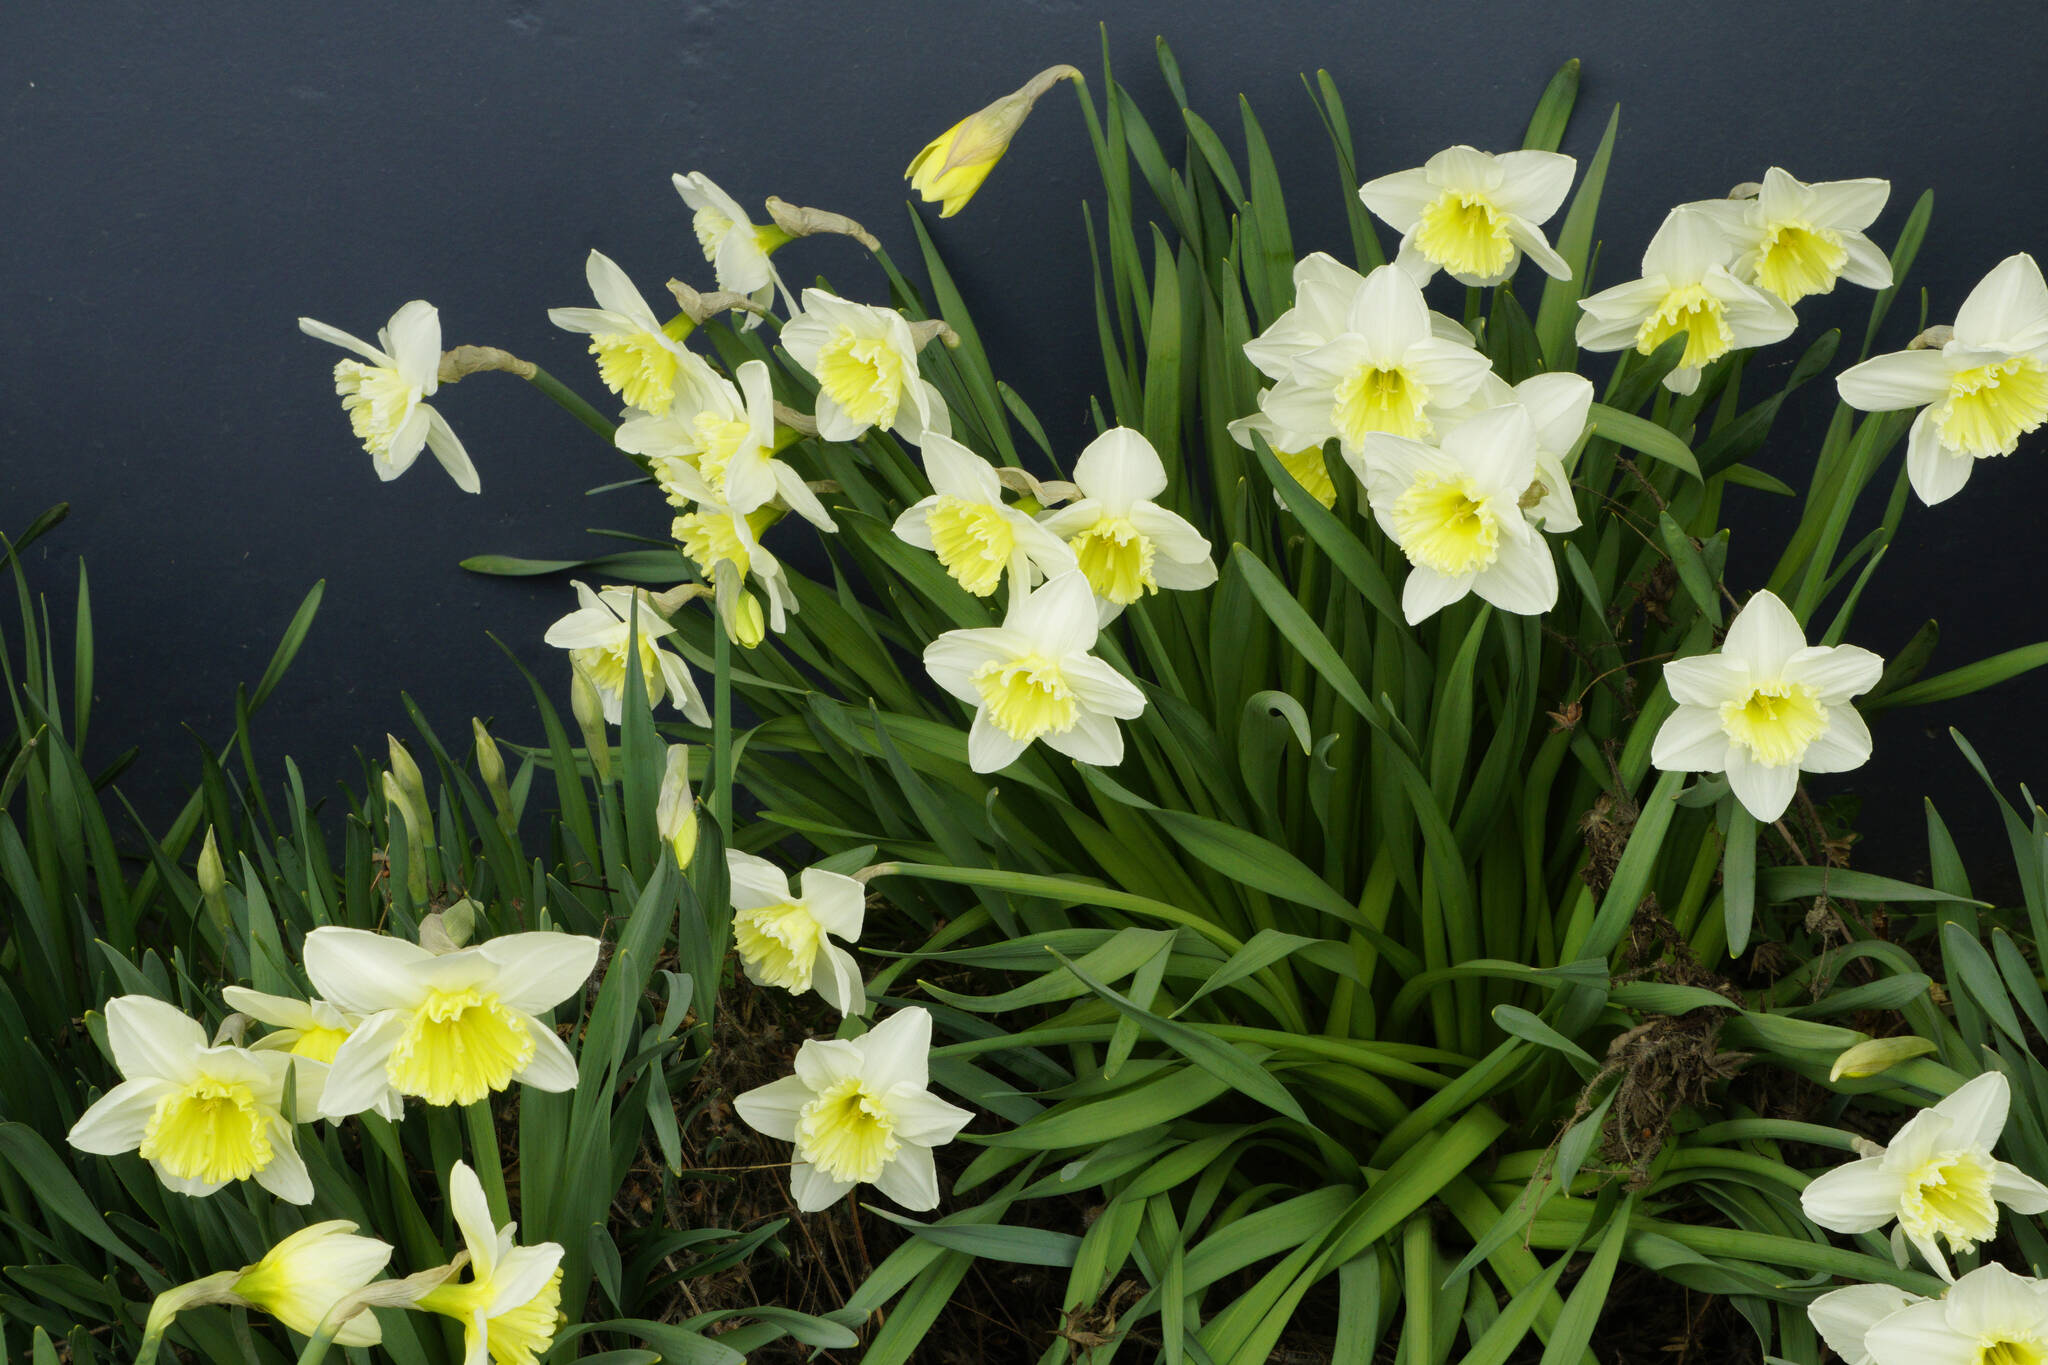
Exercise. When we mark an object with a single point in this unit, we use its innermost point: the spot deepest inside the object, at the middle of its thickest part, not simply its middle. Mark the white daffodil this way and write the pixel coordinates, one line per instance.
(1300, 455)
(1766, 708)
(310, 1032)
(1796, 239)
(975, 534)
(785, 939)
(1474, 214)
(1324, 291)
(1033, 678)
(1982, 390)
(1688, 290)
(447, 1028)
(1456, 511)
(725, 546)
(510, 1307)
(1936, 1177)
(859, 1113)
(1558, 405)
(1386, 372)
(733, 460)
(737, 250)
(200, 1116)
(675, 810)
(865, 362)
(1844, 1317)
(299, 1282)
(1988, 1317)
(638, 358)
(1128, 545)
(384, 399)
(597, 635)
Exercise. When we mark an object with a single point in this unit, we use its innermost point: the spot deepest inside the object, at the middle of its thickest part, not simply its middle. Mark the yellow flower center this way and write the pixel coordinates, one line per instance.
(319, 1044)
(1989, 407)
(517, 1336)
(847, 1132)
(780, 942)
(1465, 234)
(458, 1047)
(208, 1129)
(605, 665)
(1116, 559)
(974, 540)
(1775, 722)
(1447, 524)
(711, 539)
(1371, 399)
(377, 400)
(1951, 1195)
(1026, 697)
(638, 367)
(2009, 1351)
(1307, 468)
(718, 440)
(711, 227)
(1695, 313)
(863, 375)
(1799, 259)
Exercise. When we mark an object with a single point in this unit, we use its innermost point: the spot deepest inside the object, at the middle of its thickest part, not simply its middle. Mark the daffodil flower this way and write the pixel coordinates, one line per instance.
(447, 1028)
(1688, 290)
(865, 362)
(1386, 372)
(1844, 1317)
(952, 165)
(1457, 512)
(1981, 391)
(737, 250)
(597, 635)
(385, 398)
(201, 1116)
(785, 938)
(859, 1113)
(1988, 1317)
(733, 463)
(725, 546)
(1936, 1178)
(1558, 405)
(510, 1307)
(1474, 214)
(975, 534)
(639, 359)
(675, 810)
(299, 1281)
(1797, 239)
(1128, 545)
(1032, 678)
(1325, 290)
(1766, 708)
(310, 1032)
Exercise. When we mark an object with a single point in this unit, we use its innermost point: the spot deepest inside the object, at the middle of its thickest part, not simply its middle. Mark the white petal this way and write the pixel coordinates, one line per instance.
(1902, 379)
(1399, 199)
(2008, 308)
(279, 1011)
(151, 1038)
(773, 1109)
(1523, 579)
(1977, 1110)
(1844, 1316)
(1095, 739)
(1764, 635)
(1390, 316)
(912, 1179)
(1557, 405)
(1174, 538)
(1836, 672)
(415, 332)
(1536, 246)
(754, 881)
(1533, 184)
(953, 468)
(1707, 680)
(1844, 746)
(357, 1078)
(1687, 246)
(1058, 619)
(1936, 472)
(520, 1274)
(1919, 1334)
(361, 972)
(614, 289)
(683, 692)
(1428, 592)
(552, 1067)
(914, 526)
(1451, 372)
(587, 321)
(322, 332)
(836, 977)
(472, 1214)
(1867, 264)
(1464, 168)
(1763, 790)
(836, 901)
(897, 1051)
(2017, 1190)
(447, 448)
(1859, 1196)
(1848, 205)
(1691, 740)
(924, 1118)
(953, 658)
(1991, 1303)
(118, 1120)
(1120, 469)
(285, 1174)
(1497, 448)
(989, 749)
(812, 1189)
(821, 1062)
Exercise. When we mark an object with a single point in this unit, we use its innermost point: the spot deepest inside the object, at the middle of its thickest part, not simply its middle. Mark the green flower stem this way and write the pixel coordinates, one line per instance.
(721, 734)
(573, 404)
(483, 1153)
(317, 1344)
(152, 1341)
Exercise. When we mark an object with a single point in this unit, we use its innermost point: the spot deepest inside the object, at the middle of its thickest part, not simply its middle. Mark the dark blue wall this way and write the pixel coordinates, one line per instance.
(182, 181)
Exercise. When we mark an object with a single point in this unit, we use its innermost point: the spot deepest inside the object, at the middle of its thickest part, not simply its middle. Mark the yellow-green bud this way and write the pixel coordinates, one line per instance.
(1875, 1055)
(213, 878)
(395, 800)
(952, 166)
(412, 783)
(588, 707)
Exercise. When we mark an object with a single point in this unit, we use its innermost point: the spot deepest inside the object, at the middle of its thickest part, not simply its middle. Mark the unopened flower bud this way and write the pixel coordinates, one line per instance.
(952, 166)
(213, 878)
(675, 811)
(588, 707)
(1876, 1055)
(414, 787)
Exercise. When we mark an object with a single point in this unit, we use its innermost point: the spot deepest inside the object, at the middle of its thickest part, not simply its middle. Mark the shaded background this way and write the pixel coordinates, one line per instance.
(182, 182)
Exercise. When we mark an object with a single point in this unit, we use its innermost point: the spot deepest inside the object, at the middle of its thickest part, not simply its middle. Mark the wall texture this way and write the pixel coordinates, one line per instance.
(183, 181)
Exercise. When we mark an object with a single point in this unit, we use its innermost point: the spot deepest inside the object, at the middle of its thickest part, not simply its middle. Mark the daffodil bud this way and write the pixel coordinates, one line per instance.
(675, 810)
(588, 707)
(213, 882)
(309, 1282)
(491, 765)
(1875, 1055)
(952, 166)
(448, 930)
(415, 845)
(410, 779)
(747, 625)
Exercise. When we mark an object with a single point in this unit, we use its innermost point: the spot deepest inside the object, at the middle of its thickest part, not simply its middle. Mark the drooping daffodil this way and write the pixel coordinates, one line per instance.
(785, 938)
(1687, 289)
(1978, 392)
(1325, 291)
(1127, 545)
(201, 1116)
(952, 165)
(860, 1113)
(1033, 678)
(447, 1028)
(1473, 213)
(733, 461)
(865, 362)
(1458, 513)
(1766, 708)
(1796, 239)
(1988, 1317)
(675, 809)
(725, 545)
(1388, 371)
(975, 534)
(385, 393)
(299, 1281)
(737, 249)
(1844, 1317)
(597, 635)
(1936, 1179)
(510, 1307)
(310, 1032)
(639, 358)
